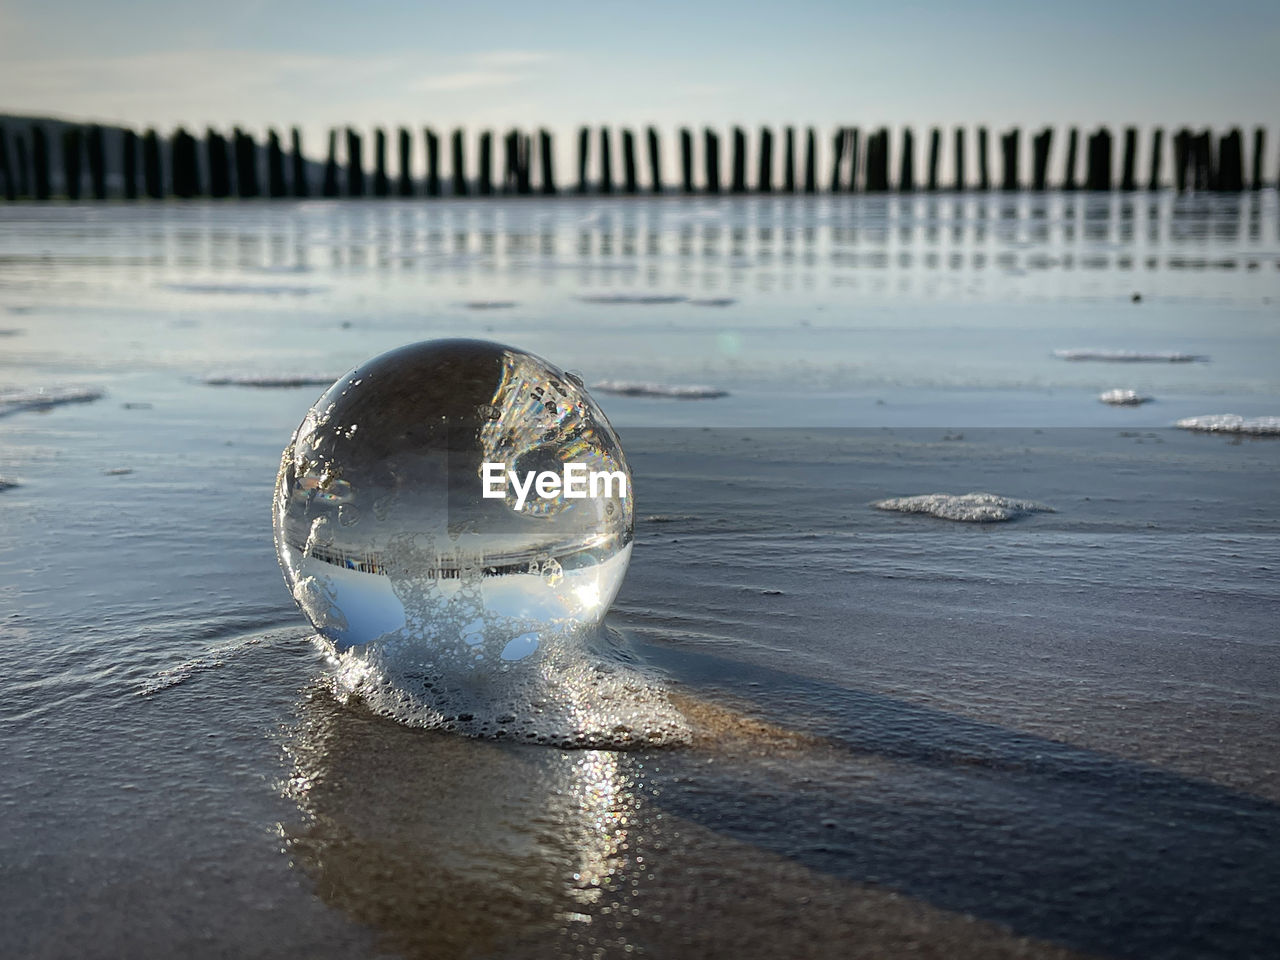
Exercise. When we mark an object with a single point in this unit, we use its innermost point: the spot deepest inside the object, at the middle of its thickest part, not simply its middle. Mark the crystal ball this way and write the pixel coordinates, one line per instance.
(460, 497)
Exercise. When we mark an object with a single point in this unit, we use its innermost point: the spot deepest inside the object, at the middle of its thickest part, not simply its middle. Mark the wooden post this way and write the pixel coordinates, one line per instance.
(629, 162)
(837, 158)
(355, 164)
(739, 160)
(1205, 177)
(433, 161)
(6, 168)
(935, 153)
(524, 163)
(878, 161)
(854, 157)
(20, 158)
(606, 164)
(655, 161)
(1231, 162)
(1009, 151)
(277, 187)
(97, 162)
(906, 164)
(404, 183)
(484, 175)
(72, 152)
(984, 176)
(330, 187)
(764, 177)
(511, 162)
(129, 164)
(301, 188)
(1128, 171)
(789, 163)
(961, 182)
(459, 166)
(712, 159)
(1040, 147)
(584, 156)
(1098, 170)
(40, 161)
(1181, 159)
(186, 170)
(1157, 146)
(811, 162)
(152, 172)
(381, 182)
(548, 169)
(1073, 145)
(1259, 147)
(686, 159)
(246, 164)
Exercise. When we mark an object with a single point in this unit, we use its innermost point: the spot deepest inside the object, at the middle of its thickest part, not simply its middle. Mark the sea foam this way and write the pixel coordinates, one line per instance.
(965, 507)
(1232, 423)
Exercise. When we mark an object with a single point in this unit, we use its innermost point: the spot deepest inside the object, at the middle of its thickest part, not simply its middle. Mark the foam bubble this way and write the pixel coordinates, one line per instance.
(1123, 398)
(1232, 423)
(281, 380)
(42, 398)
(966, 507)
(1129, 356)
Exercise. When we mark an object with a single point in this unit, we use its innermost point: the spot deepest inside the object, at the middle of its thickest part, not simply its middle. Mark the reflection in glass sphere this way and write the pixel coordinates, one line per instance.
(447, 607)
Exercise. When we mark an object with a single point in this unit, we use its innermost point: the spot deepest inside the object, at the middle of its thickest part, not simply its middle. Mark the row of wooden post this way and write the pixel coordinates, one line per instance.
(231, 166)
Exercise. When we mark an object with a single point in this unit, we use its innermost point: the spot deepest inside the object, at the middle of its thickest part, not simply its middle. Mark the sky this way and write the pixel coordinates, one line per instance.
(319, 64)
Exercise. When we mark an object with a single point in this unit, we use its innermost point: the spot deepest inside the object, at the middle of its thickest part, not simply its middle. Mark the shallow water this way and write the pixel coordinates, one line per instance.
(1052, 735)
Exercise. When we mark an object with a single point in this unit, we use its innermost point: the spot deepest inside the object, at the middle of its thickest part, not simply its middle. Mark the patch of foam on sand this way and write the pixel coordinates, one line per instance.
(1232, 423)
(635, 388)
(43, 398)
(1123, 398)
(965, 507)
(1129, 356)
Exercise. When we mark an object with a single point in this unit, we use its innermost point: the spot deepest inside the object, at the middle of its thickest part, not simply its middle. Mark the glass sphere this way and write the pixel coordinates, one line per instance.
(386, 535)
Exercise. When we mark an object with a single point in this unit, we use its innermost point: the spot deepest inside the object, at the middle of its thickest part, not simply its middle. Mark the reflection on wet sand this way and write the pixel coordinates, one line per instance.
(452, 847)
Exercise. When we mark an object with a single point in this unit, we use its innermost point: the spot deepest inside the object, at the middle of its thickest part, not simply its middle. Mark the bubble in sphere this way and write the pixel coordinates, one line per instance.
(386, 537)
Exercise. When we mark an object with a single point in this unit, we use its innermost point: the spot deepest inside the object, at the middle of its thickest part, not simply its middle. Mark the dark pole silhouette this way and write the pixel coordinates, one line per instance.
(524, 163)
(855, 156)
(878, 161)
(712, 160)
(355, 164)
(6, 168)
(739, 160)
(837, 157)
(129, 164)
(584, 155)
(404, 184)
(433, 162)
(1009, 151)
(935, 151)
(984, 177)
(1069, 172)
(381, 182)
(219, 165)
(40, 161)
(606, 163)
(811, 162)
(1230, 169)
(906, 168)
(459, 165)
(961, 182)
(1157, 147)
(152, 172)
(246, 164)
(1040, 146)
(548, 170)
(183, 162)
(632, 185)
(764, 178)
(1128, 169)
(789, 163)
(686, 159)
(300, 186)
(72, 156)
(20, 158)
(1259, 149)
(655, 161)
(484, 172)
(1098, 174)
(277, 187)
(97, 162)
(1181, 159)
(330, 188)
